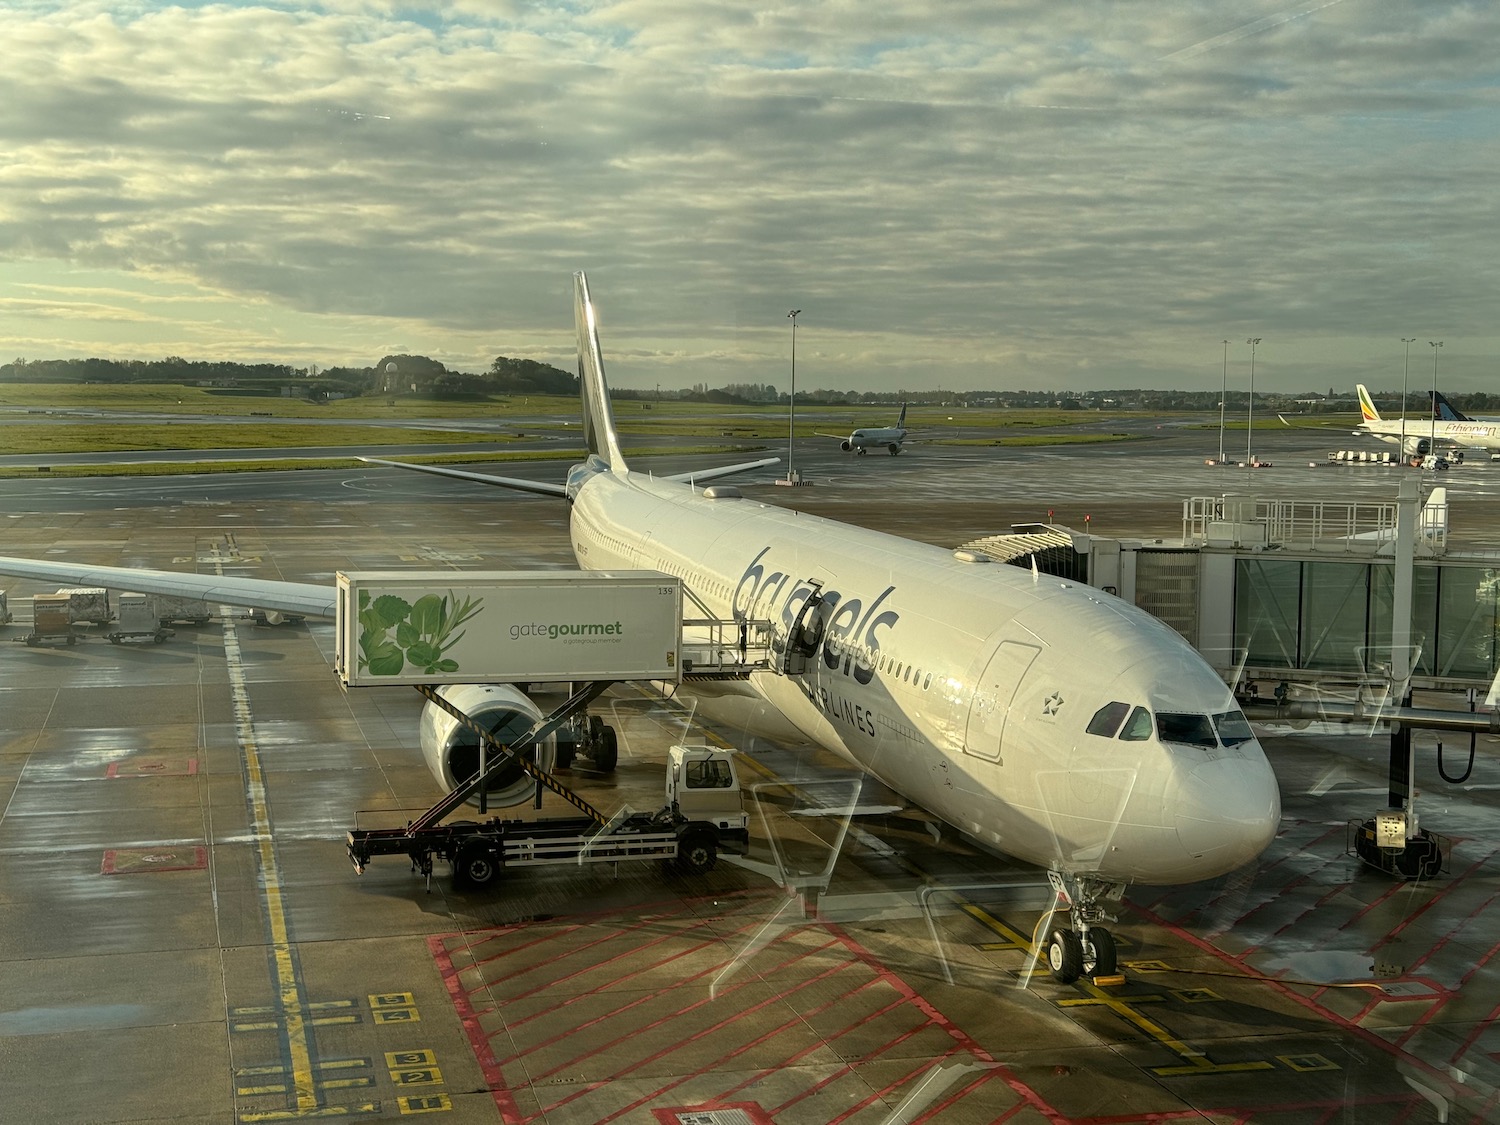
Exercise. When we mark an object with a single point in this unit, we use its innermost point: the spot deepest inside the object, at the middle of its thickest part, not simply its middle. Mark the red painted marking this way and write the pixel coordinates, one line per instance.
(958, 1095)
(721, 1025)
(145, 861)
(878, 1095)
(134, 767)
(645, 999)
(494, 1078)
(797, 1056)
(555, 981)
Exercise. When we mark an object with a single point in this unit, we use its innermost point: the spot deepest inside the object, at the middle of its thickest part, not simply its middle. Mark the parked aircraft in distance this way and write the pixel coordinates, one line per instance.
(889, 438)
(1422, 434)
(1039, 717)
(1445, 411)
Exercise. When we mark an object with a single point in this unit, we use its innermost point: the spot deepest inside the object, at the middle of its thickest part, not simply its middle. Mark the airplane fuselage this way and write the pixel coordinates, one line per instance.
(889, 438)
(1473, 434)
(966, 686)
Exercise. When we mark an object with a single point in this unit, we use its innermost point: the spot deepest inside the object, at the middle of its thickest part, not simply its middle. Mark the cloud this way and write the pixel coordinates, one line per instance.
(1023, 196)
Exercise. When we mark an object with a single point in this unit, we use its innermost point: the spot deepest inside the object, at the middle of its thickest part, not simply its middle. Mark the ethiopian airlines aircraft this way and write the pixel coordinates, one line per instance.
(1421, 434)
(1044, 719)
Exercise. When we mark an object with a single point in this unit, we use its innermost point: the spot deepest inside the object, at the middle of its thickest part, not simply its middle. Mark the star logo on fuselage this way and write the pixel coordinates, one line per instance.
(1052, 704)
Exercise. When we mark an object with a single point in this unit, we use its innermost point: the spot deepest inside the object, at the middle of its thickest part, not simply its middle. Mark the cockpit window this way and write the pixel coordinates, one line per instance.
(1191, 730)
(1233, 728)
(1107, 719)
(1138, 729)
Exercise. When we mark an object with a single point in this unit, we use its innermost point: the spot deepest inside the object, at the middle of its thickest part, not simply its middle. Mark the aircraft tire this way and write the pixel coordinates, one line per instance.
(606, 755)
(475, 866)
(1064, 955)
(697, 853)
(1105, 959)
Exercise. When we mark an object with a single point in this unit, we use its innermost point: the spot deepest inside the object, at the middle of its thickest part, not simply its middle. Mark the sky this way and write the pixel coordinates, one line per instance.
(1007, 194)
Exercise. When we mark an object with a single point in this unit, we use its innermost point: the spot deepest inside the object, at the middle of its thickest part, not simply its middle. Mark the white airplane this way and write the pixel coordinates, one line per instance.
(1423, 433)
(1043, 719)
(889, 438)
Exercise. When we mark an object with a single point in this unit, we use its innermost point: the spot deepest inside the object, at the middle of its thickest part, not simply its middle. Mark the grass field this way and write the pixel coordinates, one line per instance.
(45, 419)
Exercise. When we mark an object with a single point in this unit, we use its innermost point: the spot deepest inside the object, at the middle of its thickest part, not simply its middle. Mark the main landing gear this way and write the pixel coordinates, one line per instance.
(1085, 948)
(591, 738)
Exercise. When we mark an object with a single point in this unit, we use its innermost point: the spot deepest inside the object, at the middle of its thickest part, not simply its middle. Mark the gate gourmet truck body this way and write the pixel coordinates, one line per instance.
(494, 627)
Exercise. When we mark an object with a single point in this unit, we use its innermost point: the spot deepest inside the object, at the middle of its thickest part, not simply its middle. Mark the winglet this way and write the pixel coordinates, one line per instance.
(598, 421)
(1366, 407)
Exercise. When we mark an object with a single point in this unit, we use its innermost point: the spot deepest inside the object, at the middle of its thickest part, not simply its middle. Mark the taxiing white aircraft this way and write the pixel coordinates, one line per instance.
(1044, 719)
(889, 438)
(1423, 433)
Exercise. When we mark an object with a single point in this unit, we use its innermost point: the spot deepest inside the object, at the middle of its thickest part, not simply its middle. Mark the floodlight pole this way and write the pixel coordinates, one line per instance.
(791, 410)
(1250, 421)
(1405, 373)
(1223, 397)
(1436, 346)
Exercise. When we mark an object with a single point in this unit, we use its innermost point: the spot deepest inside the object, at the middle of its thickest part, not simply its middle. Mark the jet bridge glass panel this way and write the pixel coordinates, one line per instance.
(1335, 610)
(1336, 616)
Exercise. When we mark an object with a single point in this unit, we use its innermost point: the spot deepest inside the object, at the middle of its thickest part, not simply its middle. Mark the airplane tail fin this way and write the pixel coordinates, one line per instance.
(901, 421)
(1366, 407)
(1445, 411)
(598, 421)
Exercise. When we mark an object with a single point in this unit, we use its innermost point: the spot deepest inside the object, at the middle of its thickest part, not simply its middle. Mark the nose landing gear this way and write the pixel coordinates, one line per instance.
(1086, 949)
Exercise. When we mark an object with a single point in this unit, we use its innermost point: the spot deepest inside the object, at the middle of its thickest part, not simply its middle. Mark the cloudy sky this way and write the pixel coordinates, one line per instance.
(975, 193)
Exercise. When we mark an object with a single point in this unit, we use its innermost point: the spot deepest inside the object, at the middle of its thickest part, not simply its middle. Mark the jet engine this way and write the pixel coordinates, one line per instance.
(1417, 446)
(846, 445)
(452, 750)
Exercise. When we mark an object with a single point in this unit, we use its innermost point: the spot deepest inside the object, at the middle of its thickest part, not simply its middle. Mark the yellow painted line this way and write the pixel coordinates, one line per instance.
(292, 1005)
(1014, 939)
(1198, 1062)
(326, 1064)
(317, 1112)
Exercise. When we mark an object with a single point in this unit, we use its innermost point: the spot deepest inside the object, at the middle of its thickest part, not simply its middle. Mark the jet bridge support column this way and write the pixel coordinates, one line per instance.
(1401, 669)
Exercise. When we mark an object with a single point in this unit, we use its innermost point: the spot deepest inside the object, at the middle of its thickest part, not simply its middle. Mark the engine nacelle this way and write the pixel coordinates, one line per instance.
(1417, 447)
(452, 750)
(846, 445)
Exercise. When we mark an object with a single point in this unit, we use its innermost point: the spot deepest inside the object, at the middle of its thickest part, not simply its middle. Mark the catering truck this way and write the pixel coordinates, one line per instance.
(703, 814)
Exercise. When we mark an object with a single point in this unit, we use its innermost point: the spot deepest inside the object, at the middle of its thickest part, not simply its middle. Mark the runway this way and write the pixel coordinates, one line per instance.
(183, 934)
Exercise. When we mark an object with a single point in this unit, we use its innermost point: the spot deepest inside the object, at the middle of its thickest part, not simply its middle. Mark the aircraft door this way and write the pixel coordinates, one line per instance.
(993, 693)
(802, 639)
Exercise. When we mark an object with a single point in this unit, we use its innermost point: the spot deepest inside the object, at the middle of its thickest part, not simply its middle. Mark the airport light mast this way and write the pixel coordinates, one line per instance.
(1405, 373)
(1223, 397)
(1436, 346)
(791, 410)
(1250, 424)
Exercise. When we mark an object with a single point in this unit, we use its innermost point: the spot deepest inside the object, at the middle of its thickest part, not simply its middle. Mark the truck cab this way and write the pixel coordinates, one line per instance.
(703, 785)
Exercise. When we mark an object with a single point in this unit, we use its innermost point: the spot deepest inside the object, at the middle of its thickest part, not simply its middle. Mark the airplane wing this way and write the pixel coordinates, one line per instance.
(300, 598)
(541, 488)
(723, 470)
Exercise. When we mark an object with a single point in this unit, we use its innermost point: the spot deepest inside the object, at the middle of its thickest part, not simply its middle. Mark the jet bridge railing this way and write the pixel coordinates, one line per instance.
(724, 649)
(1356, 529)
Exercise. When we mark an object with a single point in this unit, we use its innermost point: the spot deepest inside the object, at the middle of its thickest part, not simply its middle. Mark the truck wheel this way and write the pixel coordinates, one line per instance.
(475, 867)
(607, 754)
(114, 638)
(697, 853)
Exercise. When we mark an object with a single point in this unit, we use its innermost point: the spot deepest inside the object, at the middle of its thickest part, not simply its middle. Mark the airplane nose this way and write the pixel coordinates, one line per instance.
(1228, 812)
